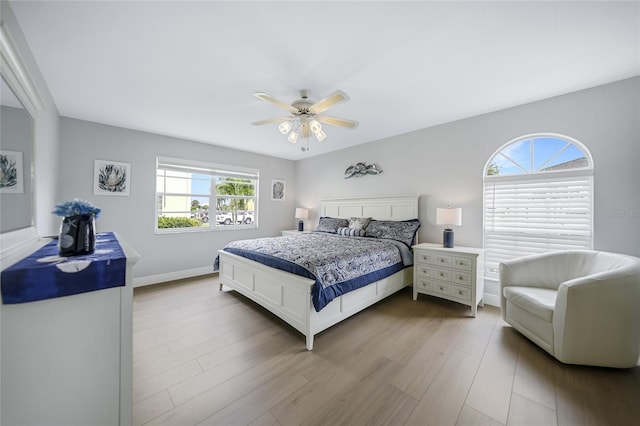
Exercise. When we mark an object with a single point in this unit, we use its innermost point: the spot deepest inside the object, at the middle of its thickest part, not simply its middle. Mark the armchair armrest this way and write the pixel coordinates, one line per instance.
(544, 270)
(603, 308)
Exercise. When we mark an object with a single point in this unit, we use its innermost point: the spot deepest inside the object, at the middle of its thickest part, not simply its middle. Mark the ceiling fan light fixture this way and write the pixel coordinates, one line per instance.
(320, 135)
(285, 127)
(293, 137)
(315, 126)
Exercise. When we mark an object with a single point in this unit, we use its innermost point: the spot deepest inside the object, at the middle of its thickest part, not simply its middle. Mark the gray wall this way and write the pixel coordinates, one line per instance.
(445, 163)
(164, 256)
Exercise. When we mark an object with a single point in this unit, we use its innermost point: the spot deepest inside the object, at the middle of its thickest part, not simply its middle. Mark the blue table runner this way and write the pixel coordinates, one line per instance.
(46, 275)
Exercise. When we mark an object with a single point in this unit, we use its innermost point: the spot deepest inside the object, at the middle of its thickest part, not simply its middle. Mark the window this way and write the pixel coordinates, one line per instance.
(197, 196)
(538, 196)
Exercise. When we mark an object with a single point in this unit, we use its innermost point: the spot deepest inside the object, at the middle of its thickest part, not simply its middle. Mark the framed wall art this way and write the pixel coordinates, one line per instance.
(278, 187)
(11, 172)
(111, 178)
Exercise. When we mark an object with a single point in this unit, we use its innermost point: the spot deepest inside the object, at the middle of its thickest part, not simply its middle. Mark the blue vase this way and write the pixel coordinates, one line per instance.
(77, 235)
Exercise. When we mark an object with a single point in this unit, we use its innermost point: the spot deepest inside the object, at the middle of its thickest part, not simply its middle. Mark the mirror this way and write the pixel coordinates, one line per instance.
(16, 163)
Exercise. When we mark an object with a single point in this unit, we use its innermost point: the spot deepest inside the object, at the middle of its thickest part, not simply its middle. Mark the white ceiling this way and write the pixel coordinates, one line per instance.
(189, 69)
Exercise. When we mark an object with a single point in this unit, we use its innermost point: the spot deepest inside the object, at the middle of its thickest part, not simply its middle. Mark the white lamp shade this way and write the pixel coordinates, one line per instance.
(320, 135)
(302, 213)
(284, 127)
(315, 126)
(293, 137)
(449, 216)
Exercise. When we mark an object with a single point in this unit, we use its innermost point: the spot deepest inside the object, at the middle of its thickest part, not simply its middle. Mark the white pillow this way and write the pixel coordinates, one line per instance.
(359, 222)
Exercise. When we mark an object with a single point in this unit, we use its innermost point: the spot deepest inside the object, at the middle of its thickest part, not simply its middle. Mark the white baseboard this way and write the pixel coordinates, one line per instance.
(492, 299)
(171, 276)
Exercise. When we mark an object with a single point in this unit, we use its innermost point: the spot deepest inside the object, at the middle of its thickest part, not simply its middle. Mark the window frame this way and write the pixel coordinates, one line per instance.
(552, 178)
(215, 171)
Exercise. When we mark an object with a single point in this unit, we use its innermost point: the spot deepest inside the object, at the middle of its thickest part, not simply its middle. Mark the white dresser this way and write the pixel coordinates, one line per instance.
(68, 360)
(450, 273)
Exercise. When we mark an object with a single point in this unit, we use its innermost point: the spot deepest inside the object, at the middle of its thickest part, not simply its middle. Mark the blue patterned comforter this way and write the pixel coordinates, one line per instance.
(338, 264)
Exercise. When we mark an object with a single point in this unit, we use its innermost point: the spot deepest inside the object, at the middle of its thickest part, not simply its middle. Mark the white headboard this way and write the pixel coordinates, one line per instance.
(395, 207)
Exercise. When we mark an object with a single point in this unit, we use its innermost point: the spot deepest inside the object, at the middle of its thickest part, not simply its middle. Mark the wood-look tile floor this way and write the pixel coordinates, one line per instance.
(203, 356)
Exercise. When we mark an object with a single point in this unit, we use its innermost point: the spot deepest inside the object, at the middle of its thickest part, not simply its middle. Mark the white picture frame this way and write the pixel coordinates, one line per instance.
(111, 178)
(278, 189)
(11, 172)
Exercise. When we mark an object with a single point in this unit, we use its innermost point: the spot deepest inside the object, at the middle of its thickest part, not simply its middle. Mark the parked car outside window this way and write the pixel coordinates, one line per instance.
(226, 218)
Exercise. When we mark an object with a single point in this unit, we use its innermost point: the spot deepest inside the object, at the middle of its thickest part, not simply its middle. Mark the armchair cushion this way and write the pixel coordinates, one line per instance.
(537, 301)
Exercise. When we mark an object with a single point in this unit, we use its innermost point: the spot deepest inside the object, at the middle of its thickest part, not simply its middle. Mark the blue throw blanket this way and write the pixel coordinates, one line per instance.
(45, 275)
(338, 264)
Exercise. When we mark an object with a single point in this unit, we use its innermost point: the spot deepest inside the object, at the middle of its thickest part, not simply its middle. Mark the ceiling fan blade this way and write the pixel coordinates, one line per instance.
(333, 121)
(274, 101)
(272, 120)
(326, 103)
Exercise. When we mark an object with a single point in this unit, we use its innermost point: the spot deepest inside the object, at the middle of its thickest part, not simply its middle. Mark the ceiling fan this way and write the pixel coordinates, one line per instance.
(306, 115)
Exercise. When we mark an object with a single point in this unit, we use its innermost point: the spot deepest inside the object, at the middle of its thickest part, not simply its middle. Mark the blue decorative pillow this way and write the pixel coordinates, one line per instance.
(359, 222)
(351, 232)
(331, 224)
(403, 231)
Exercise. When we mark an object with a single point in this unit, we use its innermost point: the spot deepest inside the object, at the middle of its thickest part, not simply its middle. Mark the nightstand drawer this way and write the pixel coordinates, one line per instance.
(441, 288)
(441, 260)
(460, 278)
(424, 270)
(463, 263)
(442, 274)
(427, 258)
(461, 292)
(424, 284)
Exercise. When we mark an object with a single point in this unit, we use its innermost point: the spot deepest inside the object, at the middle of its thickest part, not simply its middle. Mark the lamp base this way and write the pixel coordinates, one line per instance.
(300, 226)
(447, 238)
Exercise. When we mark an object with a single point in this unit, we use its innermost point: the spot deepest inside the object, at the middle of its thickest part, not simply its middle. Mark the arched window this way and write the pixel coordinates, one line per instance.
(538, 196)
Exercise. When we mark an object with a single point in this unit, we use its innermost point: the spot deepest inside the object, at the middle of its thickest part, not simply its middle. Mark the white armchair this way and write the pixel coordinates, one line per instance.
(583, 307)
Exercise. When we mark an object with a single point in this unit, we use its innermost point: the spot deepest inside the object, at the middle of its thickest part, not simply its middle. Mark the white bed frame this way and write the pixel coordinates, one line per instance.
(289, 296)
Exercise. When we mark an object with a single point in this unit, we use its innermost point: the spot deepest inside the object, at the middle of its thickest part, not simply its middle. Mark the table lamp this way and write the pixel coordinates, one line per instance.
(448, 217)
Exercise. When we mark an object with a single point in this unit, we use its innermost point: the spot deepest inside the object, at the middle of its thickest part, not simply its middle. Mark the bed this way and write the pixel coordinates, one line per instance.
(289, 296)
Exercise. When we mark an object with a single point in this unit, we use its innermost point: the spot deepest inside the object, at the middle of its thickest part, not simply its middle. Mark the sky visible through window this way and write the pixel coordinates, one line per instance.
(534, 155)
(201, 184)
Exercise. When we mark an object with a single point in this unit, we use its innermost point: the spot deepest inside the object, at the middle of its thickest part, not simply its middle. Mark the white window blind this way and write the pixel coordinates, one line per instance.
(532, 214)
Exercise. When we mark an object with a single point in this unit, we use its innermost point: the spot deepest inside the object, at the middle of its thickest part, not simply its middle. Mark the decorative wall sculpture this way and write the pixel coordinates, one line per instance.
(362, 169)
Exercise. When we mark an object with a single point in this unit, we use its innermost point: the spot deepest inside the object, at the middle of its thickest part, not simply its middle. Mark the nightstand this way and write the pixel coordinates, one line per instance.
(450, 273)
(293, 232)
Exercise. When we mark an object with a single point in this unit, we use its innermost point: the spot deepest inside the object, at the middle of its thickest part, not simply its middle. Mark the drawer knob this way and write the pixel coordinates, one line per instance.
(460, 292)
(461, 278)
(441, 288)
